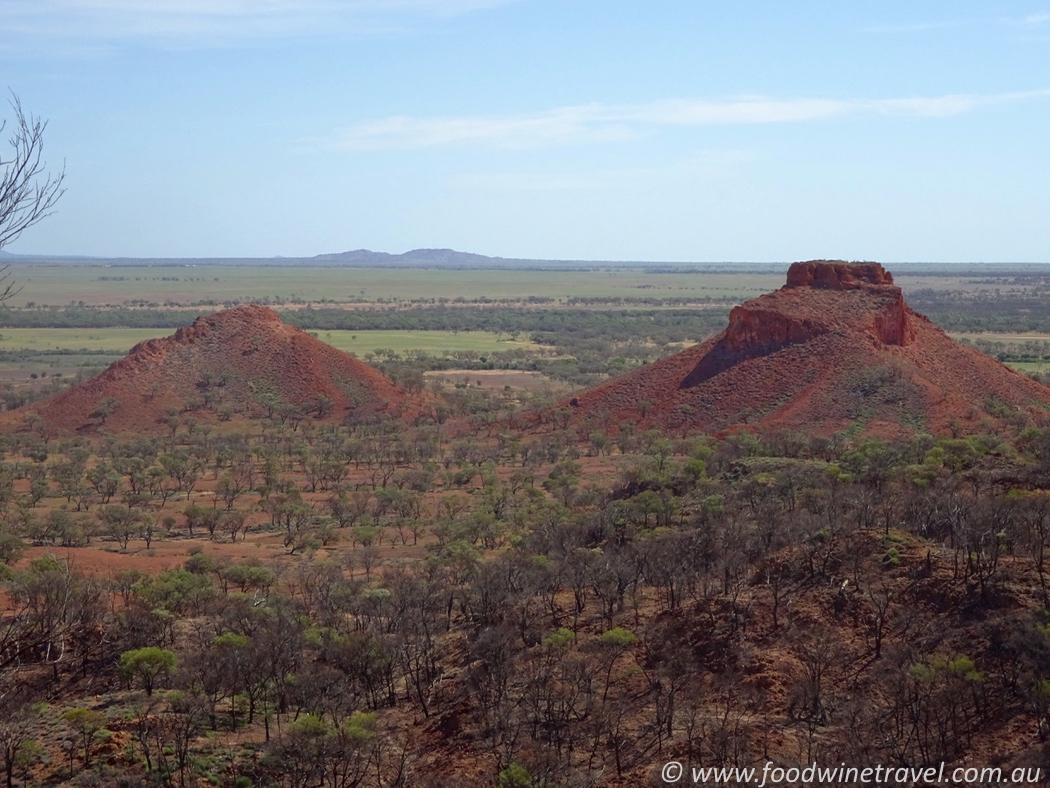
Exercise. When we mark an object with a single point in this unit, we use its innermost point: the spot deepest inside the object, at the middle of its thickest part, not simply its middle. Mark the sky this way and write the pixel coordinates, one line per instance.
(673, 130)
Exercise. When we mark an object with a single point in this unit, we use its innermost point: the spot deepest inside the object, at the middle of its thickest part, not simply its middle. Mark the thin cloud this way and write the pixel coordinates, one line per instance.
(1036, 20)
(199, 21)
(1033, 20)
(945, 106)
(917, 27)
(747, 110)
(559, 126)
(708, 165)
(599, 123)
(527, 181)
(1028, 29)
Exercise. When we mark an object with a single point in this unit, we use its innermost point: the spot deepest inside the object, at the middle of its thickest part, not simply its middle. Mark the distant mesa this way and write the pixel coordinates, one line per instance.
(836, 347)
(243, 360)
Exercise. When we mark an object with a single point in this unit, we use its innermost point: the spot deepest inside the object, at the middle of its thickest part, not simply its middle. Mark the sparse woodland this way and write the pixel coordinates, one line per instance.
(483, 600)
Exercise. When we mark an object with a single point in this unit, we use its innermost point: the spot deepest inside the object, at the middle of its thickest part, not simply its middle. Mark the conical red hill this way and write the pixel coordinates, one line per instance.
(837, 346)
(244, 359)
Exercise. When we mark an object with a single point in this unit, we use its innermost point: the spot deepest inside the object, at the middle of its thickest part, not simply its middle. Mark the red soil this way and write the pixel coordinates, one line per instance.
(837, 346)
(239, 357)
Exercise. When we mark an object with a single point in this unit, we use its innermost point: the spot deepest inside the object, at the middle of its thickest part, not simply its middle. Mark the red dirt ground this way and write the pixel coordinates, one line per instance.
(836, 346)
(236, 358)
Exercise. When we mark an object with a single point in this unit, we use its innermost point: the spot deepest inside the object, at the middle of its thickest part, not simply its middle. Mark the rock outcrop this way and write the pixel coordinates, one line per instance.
(837, 275)
(836, 346)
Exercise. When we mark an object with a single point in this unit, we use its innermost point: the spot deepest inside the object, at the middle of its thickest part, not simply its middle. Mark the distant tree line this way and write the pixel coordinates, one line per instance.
(994, 312)
(668, 325)
(952, 310)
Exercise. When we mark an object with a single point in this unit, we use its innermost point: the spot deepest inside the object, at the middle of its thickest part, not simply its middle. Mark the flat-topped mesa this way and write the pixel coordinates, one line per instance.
(837, 275)
(836, 348)
(790, 316)
(821, 297)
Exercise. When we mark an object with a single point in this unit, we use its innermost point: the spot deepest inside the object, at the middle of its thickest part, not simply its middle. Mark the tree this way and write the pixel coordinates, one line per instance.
(27, 192)
(105, 408)
(147, 664)
(88, 725)
(121, 523)
(17, 747)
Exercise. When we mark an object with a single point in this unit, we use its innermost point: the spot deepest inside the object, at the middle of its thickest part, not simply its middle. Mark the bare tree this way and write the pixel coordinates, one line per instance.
(27, 192)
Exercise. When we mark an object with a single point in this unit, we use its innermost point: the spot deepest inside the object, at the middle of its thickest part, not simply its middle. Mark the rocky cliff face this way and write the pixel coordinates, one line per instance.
(873, 304)
(837, 275)
(754, 330)
(858, 299)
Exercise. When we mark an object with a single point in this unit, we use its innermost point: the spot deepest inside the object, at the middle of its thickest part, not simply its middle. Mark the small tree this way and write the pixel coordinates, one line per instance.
(88, 726)
(106, 408)
(515, 776)
(17, 747)
(122, 523)
(613, 644)
(147, 665)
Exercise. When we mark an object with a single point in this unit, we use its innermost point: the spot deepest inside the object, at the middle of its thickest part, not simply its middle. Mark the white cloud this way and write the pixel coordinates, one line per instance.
(1036, 20)
(754, 109)
(527, 181)
(207, 21)
(944, 106)
(705, 165)
(601, 123)
(1033, 20)
(916, 27)
(559, 126)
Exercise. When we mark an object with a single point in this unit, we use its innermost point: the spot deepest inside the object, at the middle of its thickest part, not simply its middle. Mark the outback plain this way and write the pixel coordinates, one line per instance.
(521, 526)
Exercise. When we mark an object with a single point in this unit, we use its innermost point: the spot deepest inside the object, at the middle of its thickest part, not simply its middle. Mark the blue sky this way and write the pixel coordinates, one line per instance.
(568, 129)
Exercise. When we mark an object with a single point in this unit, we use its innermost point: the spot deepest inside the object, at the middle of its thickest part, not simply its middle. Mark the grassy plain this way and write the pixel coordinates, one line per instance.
(186, 284)
(117, 283)
(1000, 337)
(1030, 366)
(360, 343)
(30, 356)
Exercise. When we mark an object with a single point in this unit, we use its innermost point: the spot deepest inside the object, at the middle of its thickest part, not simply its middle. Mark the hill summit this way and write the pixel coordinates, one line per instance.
(242, 360)
(836, 347)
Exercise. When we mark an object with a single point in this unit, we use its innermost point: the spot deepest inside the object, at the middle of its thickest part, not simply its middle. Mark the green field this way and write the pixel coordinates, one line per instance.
(1001, 337)
(360, 343)
(161, 284)
(1030, 366)
(187, 282)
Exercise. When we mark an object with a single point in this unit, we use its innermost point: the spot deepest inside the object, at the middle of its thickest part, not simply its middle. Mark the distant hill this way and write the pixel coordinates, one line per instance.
(432, 256)
(416, 258)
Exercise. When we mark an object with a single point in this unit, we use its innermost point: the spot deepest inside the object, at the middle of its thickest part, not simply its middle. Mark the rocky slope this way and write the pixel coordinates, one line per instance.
(242, 361)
